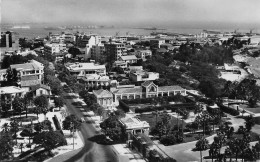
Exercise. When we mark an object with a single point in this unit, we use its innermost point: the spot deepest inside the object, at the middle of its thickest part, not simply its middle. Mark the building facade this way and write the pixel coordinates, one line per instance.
(115, 50)
(147, 90)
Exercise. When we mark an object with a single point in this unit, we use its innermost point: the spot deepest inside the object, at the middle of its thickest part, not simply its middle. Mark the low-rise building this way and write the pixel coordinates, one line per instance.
(143, 53)
(83, 69)
(129, 59)
(142, 76)
(104, 97)
(54, 48)
(134, 126)
(147, 90)
(121, 64)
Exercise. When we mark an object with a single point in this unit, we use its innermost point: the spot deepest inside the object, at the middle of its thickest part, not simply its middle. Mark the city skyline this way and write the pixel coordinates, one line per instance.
(163, 13)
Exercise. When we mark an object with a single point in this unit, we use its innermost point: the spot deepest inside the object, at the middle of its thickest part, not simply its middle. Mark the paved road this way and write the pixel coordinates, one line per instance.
(91, 152)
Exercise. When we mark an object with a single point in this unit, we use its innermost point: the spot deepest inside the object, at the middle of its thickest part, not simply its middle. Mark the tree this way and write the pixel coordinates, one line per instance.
(11, 78)
(18, 105)
(14, 128)
(119, 113)
(100, 111)
(42, 104)
(201, 145)
(234, 145)
(59, 102)
(50, 140)
(71, 123)
(6, 143)
(27, 99)
(112, 128)
(74, 51)
(94, 107)
(249, 122)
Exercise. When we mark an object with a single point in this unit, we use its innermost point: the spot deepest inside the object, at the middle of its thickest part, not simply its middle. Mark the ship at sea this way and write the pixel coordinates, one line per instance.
(20, 27)
(54, 28)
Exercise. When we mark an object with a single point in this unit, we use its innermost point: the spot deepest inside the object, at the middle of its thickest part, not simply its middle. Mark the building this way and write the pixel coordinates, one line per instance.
(143, 53)
(69, 38)
(134, 126)
(104, 97)
(31, 69)
(94, 80)
(7, 94)
(115, 50)
(147, 90)
(97, 51)
(121, 64)
(82, 69)
(156, 43)
(8, 42)
(54, 48)
(86, 42)
(129, 59)
(142, 76)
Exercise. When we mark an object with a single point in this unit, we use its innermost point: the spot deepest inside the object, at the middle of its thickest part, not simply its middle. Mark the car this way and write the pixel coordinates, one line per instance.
(82, 120)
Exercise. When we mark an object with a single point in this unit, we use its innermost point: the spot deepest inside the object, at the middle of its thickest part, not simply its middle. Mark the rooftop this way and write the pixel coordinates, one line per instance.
(10, 90)
(32, 65)
(170, 88)
(84, 66)
(128, 90)
(29, 83)
(132, 122)
(129, 57)
(102, 93)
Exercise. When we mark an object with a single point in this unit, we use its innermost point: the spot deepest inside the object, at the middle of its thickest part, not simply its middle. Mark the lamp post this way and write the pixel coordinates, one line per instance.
(73, 131)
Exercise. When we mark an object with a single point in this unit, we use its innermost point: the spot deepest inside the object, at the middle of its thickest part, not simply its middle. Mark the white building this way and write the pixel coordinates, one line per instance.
(31, 69)
(143, 53)
(82, 69)
(141, 76)
(54, 48)
(134, 126)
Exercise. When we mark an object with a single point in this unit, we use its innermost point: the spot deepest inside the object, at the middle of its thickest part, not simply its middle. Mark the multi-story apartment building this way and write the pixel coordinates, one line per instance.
(156, 43)
(54, 48)
(31, 69)
(8, 41)
(97, 51)
(69, 38)
(115, 50)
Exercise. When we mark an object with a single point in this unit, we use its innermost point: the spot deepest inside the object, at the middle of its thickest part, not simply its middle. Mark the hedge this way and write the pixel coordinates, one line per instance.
(123, 106)
(228, 110)
(165, 107)
(56, 122)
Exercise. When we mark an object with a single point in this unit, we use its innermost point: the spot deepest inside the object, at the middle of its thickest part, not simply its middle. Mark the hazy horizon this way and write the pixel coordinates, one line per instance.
(219, 14)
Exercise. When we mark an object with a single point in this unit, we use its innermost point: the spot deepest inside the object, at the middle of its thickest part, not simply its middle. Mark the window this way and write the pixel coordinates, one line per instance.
(41, 92)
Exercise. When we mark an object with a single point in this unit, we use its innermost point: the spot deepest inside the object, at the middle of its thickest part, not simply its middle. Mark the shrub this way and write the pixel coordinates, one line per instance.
(228, 110)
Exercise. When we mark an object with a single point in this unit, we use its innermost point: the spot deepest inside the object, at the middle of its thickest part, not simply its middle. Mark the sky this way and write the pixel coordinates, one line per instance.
(135, 13)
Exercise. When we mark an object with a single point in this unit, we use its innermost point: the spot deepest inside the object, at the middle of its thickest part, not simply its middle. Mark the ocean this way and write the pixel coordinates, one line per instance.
(34, 32)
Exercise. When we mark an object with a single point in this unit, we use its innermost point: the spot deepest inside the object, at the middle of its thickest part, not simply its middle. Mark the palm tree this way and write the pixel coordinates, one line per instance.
(234, 145)
(27, 99)
(257, 149)
(201, 145)
(213, 151)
